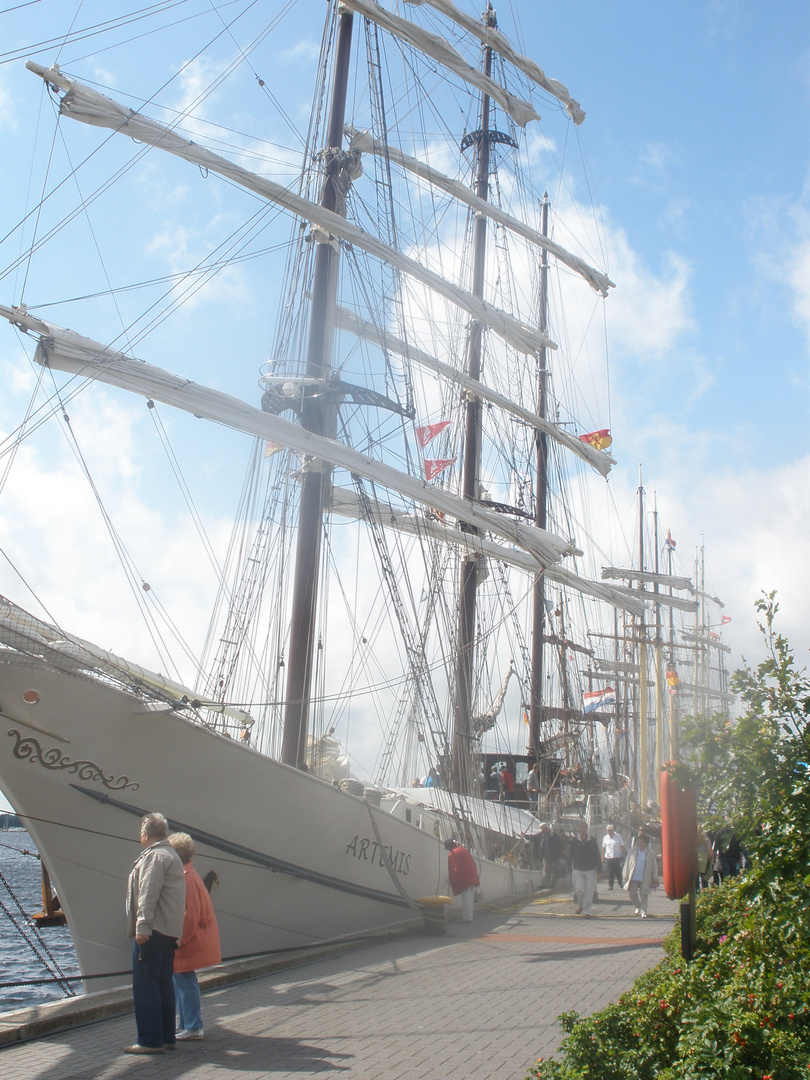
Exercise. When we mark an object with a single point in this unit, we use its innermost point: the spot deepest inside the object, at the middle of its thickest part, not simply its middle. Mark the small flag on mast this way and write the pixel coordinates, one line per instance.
(669, 542)
(725, 619)
(597, 699)
(672, 680)
(434, 466)
(428, 432)
(599, 440)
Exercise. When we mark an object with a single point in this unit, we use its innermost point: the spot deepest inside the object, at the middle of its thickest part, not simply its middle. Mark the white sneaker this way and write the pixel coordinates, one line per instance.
(636, 912)
(644, 914)
(199, 1033)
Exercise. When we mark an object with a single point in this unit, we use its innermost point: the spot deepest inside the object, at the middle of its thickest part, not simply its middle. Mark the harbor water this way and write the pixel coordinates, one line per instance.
(28, 955)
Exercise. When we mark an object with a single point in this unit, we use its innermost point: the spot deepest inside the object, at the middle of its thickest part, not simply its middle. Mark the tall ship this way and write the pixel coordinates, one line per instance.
(416, 563)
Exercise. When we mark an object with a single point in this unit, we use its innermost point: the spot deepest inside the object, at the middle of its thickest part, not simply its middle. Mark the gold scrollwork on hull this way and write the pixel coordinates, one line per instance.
(29, 749)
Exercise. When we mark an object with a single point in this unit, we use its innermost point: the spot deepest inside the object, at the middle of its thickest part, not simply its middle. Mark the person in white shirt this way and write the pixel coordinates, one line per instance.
(641, 874)
(613, 853)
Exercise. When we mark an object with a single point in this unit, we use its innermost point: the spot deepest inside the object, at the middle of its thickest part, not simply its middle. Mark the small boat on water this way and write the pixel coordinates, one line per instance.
(409, 536)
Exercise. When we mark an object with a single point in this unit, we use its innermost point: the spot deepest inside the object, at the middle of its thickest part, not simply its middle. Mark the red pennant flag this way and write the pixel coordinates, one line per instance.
(600, 439)
(725, 619)
(434, 466)
(426, 434)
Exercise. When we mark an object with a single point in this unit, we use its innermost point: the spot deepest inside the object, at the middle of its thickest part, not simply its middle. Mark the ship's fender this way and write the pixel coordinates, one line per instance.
(678, 836)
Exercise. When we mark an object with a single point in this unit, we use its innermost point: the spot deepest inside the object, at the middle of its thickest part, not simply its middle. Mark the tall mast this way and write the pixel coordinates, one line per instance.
(642, 662)
(321, 419)
(659, 694)
(462, 733)
(540, 510)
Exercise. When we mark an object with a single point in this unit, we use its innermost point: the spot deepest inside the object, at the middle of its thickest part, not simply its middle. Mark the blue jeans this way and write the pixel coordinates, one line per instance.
(187, 993)
(153, 990)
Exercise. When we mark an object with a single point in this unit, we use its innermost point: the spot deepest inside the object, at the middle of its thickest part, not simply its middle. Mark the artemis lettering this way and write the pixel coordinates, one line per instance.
(363, 847)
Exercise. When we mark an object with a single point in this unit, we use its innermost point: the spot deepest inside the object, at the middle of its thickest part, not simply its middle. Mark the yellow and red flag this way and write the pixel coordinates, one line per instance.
(599, 440)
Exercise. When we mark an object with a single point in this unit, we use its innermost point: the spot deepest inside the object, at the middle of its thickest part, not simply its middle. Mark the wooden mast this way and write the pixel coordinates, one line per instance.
(462, 726)
(540, 511)
(321, 419)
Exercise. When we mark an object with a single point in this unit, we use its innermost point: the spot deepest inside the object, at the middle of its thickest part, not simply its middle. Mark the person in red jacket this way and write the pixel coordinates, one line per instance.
(199, 945)
(463, 876)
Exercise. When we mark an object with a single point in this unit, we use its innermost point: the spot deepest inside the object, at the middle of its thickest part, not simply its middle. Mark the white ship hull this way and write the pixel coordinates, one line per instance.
(297, 859)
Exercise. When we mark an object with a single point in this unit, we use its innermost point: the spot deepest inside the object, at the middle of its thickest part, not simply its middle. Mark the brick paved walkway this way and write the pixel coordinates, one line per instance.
(479, 1003)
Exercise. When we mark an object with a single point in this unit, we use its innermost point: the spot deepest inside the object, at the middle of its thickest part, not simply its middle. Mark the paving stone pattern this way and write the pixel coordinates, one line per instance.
(479, 1003)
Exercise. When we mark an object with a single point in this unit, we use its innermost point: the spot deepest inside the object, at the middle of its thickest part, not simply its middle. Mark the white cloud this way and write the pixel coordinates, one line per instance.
(648, 313)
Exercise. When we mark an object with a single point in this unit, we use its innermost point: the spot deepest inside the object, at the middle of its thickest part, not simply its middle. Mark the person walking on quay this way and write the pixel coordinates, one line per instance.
(463, 875)
(199, 945)
(641, 873)
(585, 864)
(156, 902)
(613, 853)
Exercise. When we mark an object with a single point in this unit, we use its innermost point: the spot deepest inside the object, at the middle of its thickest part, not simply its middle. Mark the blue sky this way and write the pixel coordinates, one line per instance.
(696, 140)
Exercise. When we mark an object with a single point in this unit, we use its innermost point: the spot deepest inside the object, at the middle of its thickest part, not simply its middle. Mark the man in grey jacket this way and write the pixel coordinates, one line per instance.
(156, 904)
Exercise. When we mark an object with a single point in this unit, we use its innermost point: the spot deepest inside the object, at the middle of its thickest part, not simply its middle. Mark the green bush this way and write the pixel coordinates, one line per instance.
(741, 1008)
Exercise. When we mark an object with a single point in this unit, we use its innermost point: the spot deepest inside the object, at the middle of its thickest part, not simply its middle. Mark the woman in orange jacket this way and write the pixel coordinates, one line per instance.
(199, 945)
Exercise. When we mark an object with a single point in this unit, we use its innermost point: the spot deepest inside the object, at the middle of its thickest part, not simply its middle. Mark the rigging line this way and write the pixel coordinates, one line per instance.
(18, 7)
(108, 183)
(262, 84)
(38, 211)
(15, 446)
(201, 268)
(74, 174)
(185, 490)
(30, 589)
(38, 942)
(130, 570)
(89, 31)
(103, 187)
(67, 33)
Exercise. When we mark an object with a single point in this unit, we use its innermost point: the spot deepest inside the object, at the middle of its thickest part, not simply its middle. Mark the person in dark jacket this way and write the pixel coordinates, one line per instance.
(585, 864)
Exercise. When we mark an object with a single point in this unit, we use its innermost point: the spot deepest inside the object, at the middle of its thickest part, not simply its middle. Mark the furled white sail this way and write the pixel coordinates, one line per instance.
(702, 640)
(90, 107)
(664, 599)
(490, 35)
(667, 580)
(348, 504)
(437, 48)
(364, 141)
(68, 351)
(347, 320)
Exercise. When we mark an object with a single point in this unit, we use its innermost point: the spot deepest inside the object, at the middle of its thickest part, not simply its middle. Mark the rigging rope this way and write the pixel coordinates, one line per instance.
(38, 942)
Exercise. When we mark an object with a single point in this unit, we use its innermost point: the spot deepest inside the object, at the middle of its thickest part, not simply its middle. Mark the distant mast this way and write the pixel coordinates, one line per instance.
(462, 727)
(321, 419)
(540, 512)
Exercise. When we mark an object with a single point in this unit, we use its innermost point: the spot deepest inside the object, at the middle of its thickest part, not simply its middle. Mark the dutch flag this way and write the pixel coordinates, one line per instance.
(598, 699)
